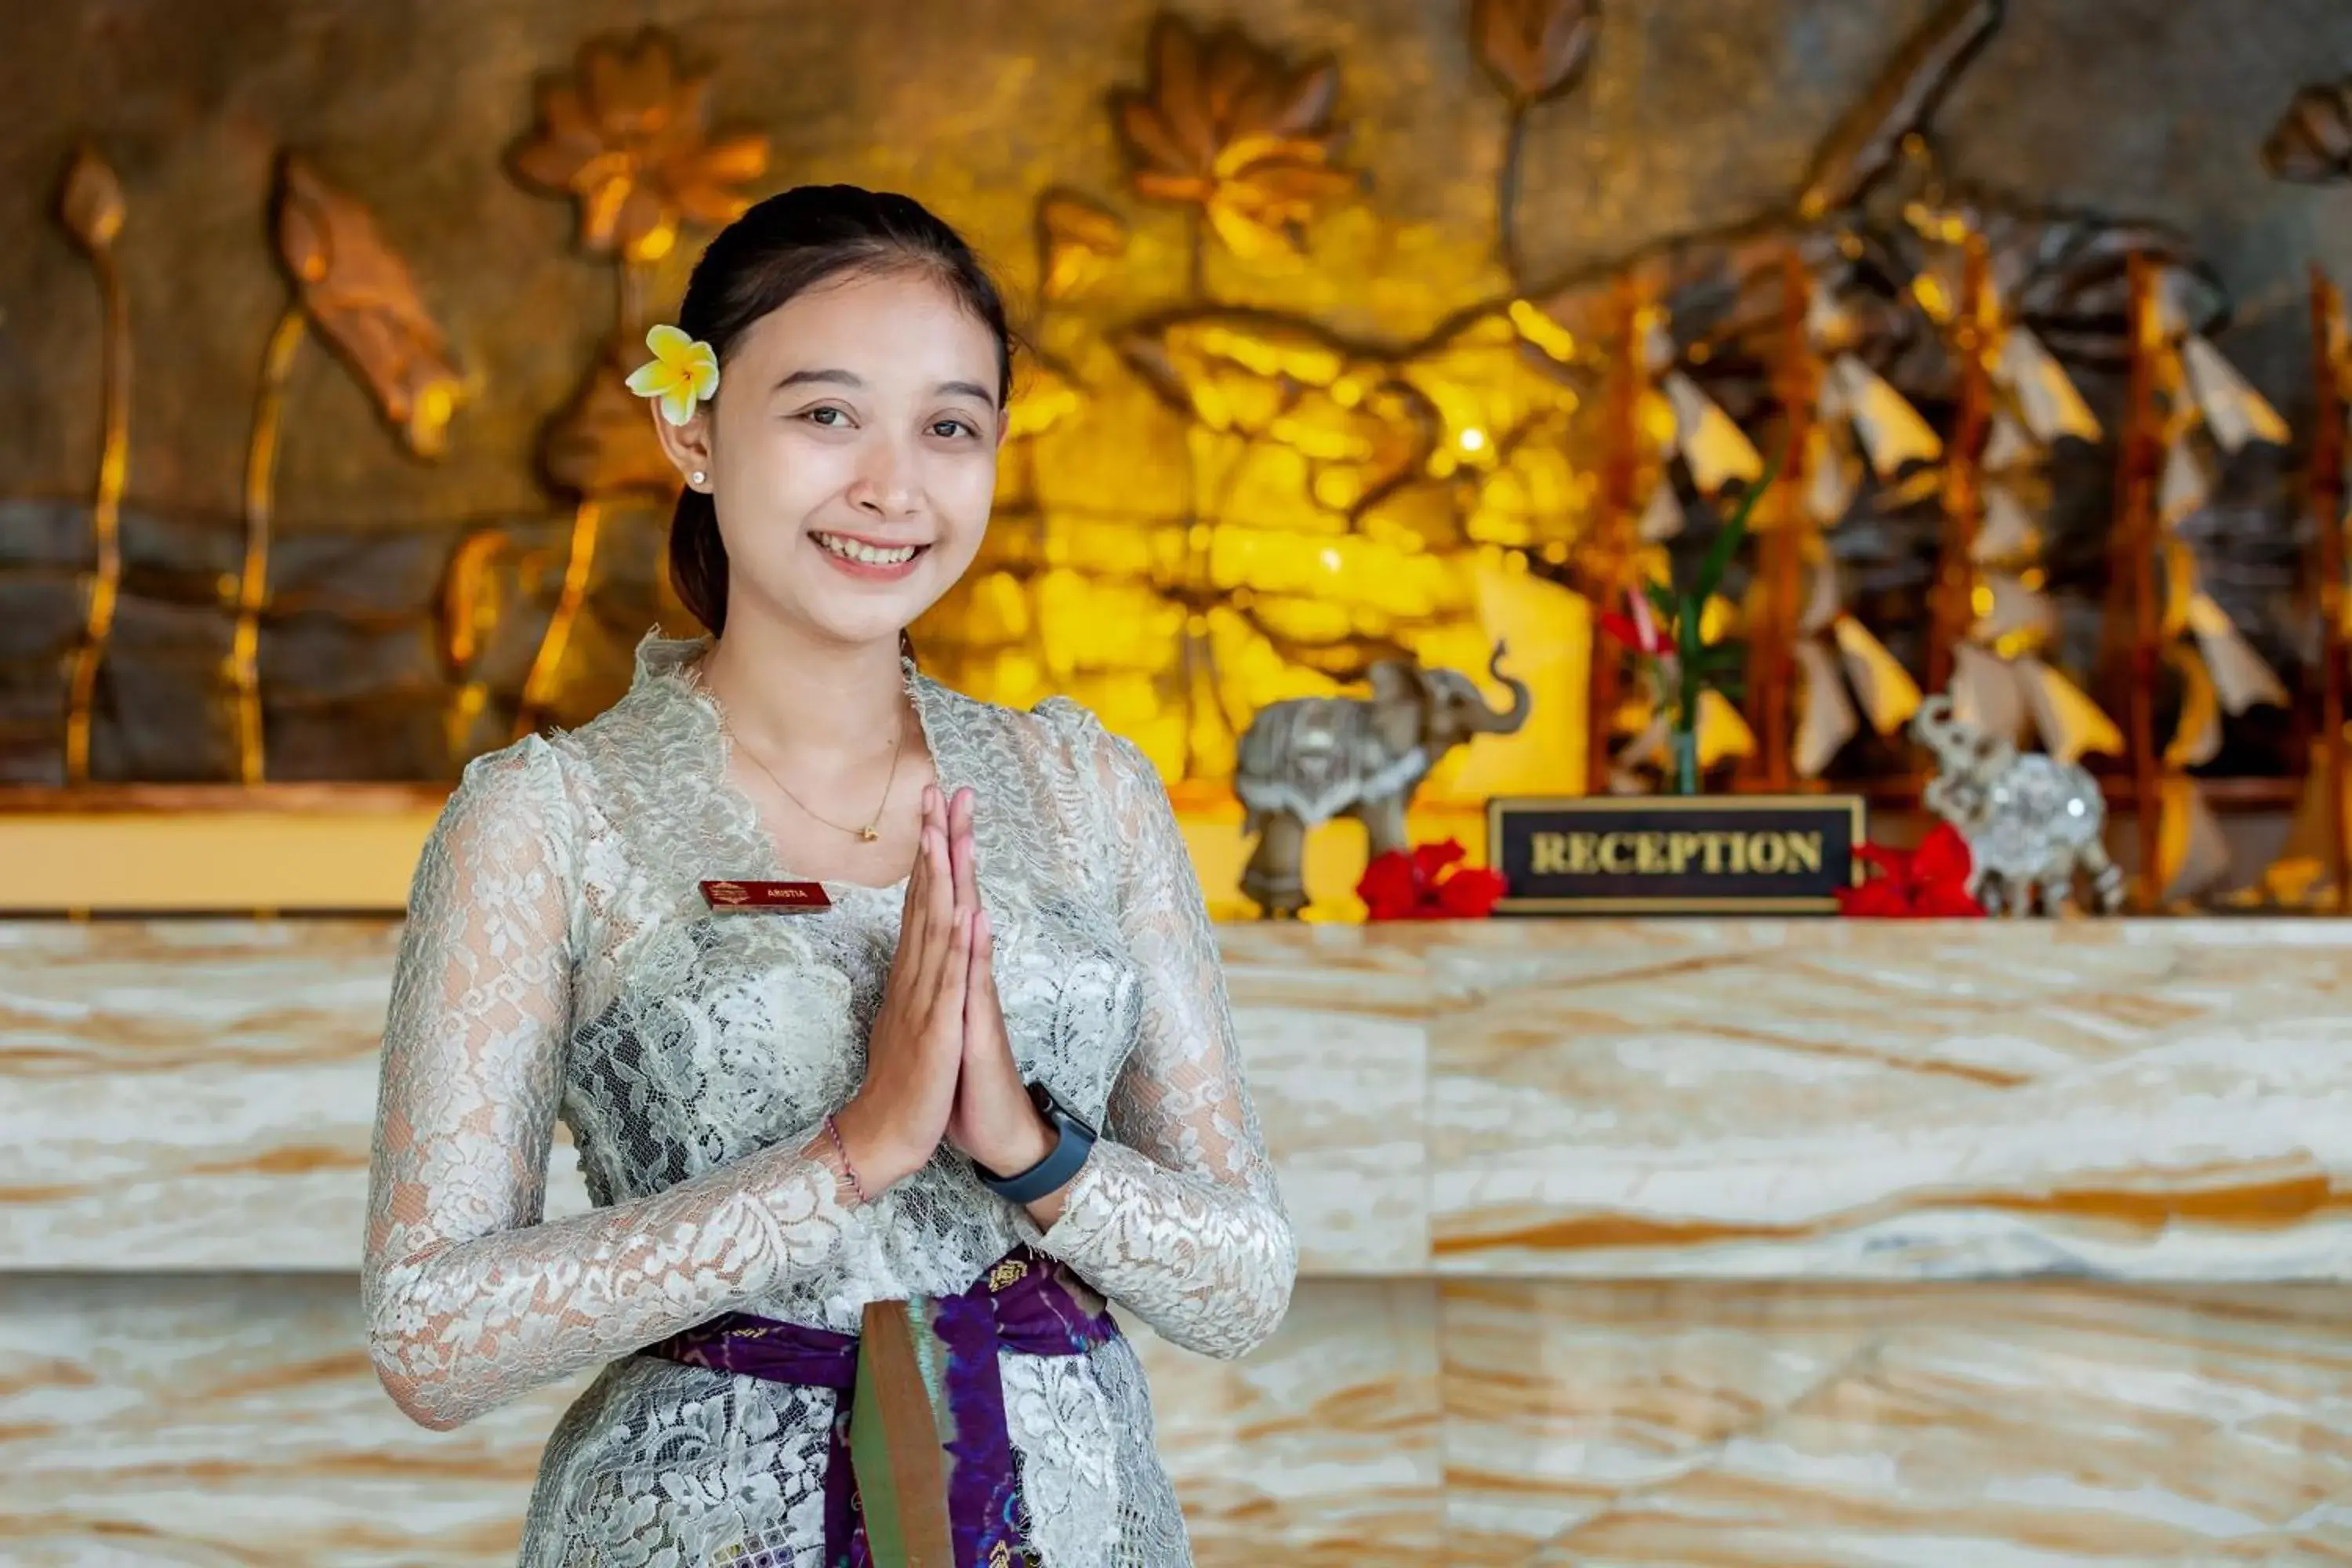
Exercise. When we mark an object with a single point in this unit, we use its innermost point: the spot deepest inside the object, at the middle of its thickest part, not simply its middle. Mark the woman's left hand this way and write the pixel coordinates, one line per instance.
(993, 1122)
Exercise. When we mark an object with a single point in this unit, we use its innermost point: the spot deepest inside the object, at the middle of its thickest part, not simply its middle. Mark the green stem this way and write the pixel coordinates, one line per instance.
(1683, 741)
(1683, 746)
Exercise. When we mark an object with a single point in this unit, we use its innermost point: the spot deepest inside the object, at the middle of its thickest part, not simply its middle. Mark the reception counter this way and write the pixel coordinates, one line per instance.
(1624, 1242)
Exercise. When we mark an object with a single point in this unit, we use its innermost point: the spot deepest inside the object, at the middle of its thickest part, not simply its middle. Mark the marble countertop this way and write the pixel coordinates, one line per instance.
(1626, 1100)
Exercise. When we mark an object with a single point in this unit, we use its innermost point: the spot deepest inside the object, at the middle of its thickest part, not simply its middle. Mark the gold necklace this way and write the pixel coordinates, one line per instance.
(865, 835)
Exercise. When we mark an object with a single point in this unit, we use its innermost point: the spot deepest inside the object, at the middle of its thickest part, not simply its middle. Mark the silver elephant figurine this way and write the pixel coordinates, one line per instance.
(2032, 822)
(1308, 759)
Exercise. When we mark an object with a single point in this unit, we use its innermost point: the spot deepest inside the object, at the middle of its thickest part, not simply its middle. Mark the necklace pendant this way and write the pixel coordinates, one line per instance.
(869, 835)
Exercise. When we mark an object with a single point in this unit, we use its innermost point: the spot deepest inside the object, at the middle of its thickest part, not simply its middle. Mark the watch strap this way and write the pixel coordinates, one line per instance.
(1073, 1142)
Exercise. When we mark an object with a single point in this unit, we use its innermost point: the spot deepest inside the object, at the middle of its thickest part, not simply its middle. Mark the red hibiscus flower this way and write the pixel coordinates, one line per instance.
(1930, 882)
(1390, 889)
(1428, 882)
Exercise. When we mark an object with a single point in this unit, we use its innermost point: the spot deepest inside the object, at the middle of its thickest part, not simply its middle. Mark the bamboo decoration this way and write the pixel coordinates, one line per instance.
(2311, 868)
(1953, 599)
(1991, 620)
(2178, 385)
(2140, 442)
(1621, 474)
(1840, 417)
(1656, 413)
(1772, 652)
(2331, 366)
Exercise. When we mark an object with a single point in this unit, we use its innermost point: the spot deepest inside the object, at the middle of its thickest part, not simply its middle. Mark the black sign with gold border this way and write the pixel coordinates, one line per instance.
(1600, 855)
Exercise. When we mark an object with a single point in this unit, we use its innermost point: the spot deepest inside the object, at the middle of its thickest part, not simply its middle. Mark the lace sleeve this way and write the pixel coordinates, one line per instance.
(1175, 1216)
(470, 1299)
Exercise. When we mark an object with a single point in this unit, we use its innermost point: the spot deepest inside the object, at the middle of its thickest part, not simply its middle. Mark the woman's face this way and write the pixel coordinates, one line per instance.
(851, 454)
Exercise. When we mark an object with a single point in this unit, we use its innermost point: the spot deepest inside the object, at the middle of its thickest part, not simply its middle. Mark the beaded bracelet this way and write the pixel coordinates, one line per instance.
(855, 1186)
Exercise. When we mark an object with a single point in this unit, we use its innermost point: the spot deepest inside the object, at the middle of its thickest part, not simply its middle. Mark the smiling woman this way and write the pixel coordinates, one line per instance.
(870, 361)
(834, 973)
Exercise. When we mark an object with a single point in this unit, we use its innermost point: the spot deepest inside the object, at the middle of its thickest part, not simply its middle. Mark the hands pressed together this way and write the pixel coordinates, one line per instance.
(938, 1063)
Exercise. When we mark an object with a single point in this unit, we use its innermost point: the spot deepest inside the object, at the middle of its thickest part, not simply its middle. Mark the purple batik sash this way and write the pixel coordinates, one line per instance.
(1025, 1303)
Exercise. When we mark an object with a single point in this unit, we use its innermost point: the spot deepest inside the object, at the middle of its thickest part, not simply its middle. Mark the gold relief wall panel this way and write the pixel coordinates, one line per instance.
(1309, 291)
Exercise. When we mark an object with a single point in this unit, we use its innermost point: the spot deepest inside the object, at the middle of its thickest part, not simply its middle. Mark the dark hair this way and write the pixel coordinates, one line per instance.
(782, 247)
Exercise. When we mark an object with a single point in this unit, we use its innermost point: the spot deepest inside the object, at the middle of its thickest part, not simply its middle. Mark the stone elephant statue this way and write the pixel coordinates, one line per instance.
(2032, 822)
(1308, 759)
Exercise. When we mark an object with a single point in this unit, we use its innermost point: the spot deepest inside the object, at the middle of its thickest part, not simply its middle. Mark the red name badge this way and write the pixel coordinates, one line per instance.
(730, 896)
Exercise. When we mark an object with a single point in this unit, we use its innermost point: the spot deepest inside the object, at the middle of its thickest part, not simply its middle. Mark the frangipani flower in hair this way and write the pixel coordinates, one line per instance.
(683, 371)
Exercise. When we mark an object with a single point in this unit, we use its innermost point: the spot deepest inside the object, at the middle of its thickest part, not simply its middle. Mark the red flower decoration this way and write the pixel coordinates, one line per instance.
(1930, 882)
(1639, 630)
(1390, 889)
(1427, 883)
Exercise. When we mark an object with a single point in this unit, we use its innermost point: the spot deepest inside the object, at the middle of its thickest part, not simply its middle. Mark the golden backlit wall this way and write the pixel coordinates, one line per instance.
(317, 468)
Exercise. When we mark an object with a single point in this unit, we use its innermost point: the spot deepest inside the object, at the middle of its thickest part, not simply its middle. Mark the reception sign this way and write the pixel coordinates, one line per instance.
(1674, 854)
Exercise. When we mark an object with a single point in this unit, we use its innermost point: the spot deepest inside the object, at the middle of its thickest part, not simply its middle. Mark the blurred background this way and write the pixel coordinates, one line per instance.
(321, 472)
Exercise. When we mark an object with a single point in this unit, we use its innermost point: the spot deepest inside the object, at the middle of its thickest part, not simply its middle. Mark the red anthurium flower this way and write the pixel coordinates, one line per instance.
(1621, 630)
(1930, 882)
(1427, 882)
(1639, 630)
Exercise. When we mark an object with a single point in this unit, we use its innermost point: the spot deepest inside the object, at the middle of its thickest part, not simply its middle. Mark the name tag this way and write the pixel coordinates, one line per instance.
(747, 896)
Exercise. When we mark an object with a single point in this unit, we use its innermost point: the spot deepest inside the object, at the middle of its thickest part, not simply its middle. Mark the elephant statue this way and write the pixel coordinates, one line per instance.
(1308, 759)
(2033, 822)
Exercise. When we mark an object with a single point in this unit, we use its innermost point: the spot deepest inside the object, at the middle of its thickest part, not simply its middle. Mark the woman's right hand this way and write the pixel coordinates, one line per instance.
(899, 1114)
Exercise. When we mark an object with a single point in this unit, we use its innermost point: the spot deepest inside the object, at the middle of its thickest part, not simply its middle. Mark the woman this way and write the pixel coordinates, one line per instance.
(854, 1225)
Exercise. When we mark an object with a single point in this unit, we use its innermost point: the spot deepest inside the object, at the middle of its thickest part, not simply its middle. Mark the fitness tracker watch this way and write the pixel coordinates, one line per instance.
(1061, 1163)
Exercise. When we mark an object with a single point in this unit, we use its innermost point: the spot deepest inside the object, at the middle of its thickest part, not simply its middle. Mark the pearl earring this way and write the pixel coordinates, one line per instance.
(697, 477)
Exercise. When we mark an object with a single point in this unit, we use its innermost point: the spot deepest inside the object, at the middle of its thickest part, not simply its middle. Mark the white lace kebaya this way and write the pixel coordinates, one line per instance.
(559, 961)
